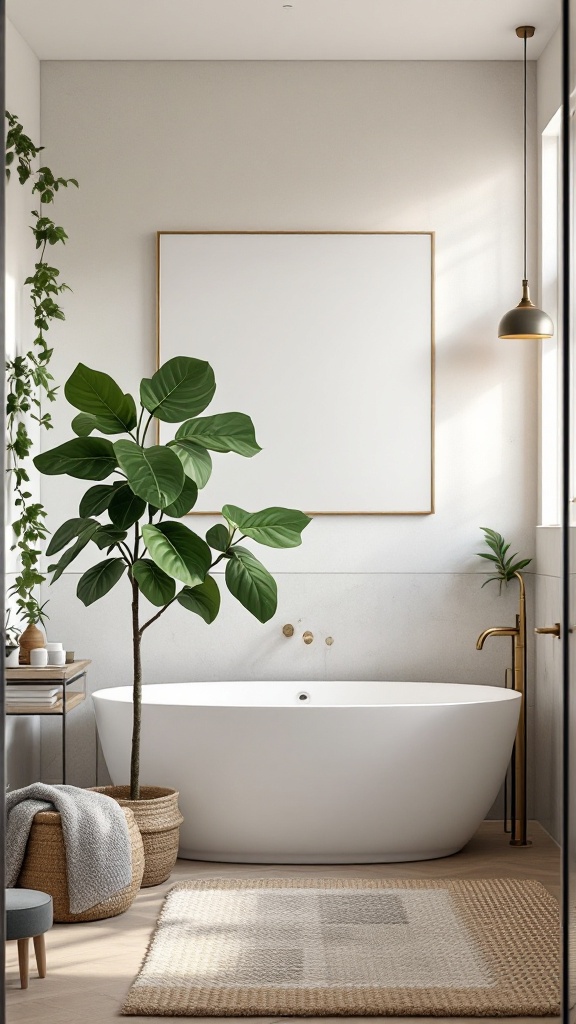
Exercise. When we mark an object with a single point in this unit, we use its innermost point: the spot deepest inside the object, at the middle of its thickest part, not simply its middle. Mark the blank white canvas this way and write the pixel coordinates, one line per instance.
(325, 340)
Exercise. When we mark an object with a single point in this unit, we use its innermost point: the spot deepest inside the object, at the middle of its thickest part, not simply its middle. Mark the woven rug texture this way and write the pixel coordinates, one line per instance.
(352, 947)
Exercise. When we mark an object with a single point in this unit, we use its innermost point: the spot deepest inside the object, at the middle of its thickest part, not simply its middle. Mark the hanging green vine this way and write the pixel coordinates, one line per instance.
(28, 378)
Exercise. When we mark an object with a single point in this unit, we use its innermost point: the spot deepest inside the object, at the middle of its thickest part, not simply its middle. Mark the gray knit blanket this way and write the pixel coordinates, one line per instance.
(96, 839)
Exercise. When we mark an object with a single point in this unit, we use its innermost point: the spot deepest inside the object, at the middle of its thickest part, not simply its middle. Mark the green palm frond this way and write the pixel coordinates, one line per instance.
(506, 567)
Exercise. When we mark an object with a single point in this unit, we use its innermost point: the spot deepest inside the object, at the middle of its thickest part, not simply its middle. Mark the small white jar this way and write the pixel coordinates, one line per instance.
(38, 657)
(56, 653)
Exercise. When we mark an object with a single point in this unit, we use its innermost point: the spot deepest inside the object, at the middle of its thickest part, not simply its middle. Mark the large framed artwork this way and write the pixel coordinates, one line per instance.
(326, 339)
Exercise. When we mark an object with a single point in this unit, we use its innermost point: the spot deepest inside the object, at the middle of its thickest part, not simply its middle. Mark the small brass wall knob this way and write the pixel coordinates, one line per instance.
(307, 637)
(288, 629)
(552, 630)
(329, 640)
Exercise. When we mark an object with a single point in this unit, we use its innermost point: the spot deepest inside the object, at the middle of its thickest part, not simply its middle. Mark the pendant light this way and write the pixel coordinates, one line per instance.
(525, 320)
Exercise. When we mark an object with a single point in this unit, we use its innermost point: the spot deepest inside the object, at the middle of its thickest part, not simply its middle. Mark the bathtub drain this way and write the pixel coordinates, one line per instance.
(303, 696)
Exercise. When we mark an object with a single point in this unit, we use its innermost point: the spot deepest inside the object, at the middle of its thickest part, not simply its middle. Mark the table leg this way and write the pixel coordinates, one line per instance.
(64, 736)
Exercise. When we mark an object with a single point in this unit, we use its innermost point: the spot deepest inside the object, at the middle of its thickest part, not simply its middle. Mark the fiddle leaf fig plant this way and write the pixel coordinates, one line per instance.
(155, 485)
(505, 568)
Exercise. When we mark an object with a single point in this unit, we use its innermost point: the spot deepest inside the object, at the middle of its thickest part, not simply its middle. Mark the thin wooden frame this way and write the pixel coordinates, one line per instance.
(432, 237)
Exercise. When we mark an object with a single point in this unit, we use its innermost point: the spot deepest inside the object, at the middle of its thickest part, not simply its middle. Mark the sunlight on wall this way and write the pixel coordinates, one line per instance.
(484, 461)
(10, 316)
(550, 365)
(11, 349)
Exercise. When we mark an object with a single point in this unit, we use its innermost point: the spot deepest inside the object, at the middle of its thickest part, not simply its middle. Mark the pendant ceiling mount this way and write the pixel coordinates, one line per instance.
(525, 320)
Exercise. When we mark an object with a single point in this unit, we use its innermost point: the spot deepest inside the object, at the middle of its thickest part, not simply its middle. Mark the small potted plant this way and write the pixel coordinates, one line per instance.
(154, 487)
(11, 638)
(33, 614)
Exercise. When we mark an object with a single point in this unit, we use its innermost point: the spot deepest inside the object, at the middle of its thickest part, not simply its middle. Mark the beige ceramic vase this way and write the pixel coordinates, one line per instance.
(31, 637)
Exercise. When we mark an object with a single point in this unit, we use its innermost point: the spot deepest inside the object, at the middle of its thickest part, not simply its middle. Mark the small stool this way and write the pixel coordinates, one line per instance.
(28, 915)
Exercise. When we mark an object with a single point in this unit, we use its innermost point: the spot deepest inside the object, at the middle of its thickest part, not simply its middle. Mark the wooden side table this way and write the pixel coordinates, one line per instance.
(66, 677)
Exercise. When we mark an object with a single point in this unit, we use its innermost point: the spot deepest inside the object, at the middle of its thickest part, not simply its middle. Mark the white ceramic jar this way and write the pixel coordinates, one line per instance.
(38, 657)
(56, 653)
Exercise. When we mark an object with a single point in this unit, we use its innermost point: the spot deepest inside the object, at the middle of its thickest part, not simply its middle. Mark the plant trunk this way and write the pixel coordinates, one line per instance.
(136, 697)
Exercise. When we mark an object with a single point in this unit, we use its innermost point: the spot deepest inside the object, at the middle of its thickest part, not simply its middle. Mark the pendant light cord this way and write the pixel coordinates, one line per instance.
(525, 174)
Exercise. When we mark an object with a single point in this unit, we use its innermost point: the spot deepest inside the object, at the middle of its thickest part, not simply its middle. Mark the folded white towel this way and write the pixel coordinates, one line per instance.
(96, 838)
(32, 691)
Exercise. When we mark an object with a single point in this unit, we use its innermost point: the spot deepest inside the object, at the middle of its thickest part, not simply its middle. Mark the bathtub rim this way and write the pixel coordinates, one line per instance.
(497, 694)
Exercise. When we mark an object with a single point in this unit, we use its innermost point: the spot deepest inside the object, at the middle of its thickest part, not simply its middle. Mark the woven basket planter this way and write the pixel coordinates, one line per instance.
(158, 818)
(44, 868)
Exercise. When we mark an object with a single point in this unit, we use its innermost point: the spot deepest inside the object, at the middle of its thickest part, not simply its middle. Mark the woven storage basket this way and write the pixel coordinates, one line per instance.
(158, 818)
(44, 868)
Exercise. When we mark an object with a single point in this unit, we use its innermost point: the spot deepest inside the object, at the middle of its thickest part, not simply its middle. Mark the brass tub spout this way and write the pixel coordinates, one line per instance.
(495, 631)
(518, 634)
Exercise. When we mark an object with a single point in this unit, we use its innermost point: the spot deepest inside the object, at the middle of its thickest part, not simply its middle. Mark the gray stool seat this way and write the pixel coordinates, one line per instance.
(28, 915)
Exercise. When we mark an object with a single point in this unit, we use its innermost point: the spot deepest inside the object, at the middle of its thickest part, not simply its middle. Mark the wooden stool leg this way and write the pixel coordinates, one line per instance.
(23, 949)
(40, 951)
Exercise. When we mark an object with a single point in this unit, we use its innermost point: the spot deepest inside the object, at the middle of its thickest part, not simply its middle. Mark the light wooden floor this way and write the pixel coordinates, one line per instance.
(91, 966)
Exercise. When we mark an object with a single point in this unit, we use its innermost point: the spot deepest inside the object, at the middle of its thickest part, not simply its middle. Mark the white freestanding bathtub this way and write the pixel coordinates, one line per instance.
(318, 772)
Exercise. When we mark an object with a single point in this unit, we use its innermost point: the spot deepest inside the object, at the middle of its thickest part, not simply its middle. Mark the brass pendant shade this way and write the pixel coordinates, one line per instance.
(525, 320)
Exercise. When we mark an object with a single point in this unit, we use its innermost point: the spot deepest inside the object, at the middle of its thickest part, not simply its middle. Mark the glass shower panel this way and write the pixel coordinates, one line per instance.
(567, 340)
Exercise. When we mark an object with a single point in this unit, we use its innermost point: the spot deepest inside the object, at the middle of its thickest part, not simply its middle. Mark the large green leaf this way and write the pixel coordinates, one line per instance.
(196, 461)
(68, 531)
(97, 498)
(98, 395)
(182, 387)
(98, 580)
(87, 458)
(105, 536)
(218, 537)
(275, 527)
(154, 583)
(125, 507)
(154, 474)
(83, 424)
(225, 432)
(185, 500)
(178, 551)
(64, 561)
(204, 599)
(251, 583)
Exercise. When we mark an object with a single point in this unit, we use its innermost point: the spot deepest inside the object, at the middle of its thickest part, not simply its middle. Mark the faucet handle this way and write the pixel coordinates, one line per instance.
(552, 630)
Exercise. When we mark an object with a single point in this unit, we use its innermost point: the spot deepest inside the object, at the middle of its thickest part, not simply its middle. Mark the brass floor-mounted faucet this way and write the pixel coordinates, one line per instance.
(518, 815)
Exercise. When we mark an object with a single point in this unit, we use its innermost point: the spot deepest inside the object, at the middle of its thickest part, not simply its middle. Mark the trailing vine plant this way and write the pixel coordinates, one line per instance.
(28, 378)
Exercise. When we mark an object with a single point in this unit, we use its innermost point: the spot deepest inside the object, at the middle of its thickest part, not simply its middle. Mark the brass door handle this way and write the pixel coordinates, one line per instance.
(552, 630)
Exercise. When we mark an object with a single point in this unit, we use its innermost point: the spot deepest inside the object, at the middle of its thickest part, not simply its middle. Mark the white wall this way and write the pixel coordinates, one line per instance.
(549, 84)
(23, 100)
(306, 145)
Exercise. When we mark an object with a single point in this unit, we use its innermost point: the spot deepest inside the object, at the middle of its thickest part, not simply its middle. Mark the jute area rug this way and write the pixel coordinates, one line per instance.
(314, 947)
